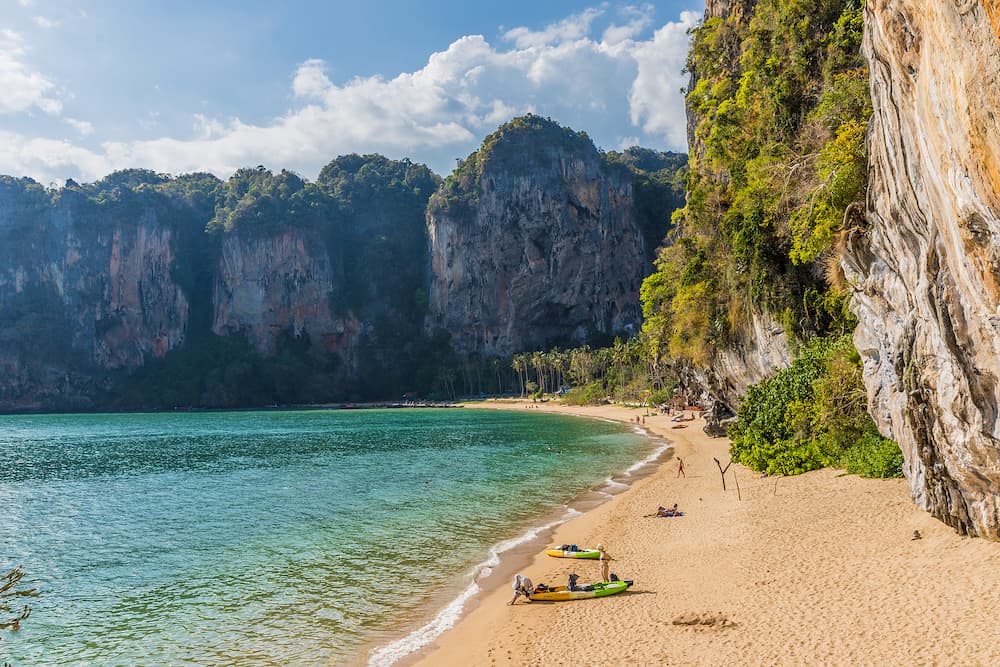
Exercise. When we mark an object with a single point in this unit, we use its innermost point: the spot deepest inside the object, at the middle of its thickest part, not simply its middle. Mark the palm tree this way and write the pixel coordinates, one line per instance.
(519, 362)
(496, 363)
(538, 362)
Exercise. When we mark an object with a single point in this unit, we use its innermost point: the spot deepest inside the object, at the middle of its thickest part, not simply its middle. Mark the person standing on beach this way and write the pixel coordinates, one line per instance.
(680, 468)
(605, 559)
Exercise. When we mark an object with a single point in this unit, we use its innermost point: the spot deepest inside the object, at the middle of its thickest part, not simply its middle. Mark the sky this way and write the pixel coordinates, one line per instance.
(180, 86)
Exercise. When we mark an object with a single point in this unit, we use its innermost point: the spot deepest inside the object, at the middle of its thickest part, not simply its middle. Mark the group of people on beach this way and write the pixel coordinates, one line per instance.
(523, 586)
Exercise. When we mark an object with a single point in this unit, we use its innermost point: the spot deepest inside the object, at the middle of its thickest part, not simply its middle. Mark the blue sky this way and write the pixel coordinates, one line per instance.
(90, 87)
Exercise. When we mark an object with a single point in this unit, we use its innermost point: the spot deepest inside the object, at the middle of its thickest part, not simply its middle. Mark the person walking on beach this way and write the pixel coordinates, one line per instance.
(605, 559)
(680, 468)
(522, 586)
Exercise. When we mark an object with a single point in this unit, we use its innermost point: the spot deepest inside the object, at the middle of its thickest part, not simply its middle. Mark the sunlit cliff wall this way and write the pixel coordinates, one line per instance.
(927, 273)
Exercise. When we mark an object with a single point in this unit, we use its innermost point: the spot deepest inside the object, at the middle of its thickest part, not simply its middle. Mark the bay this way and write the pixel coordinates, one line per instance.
(273, 537)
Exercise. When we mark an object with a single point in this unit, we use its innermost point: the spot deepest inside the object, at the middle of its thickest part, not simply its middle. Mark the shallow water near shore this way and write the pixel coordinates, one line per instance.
(272, 537)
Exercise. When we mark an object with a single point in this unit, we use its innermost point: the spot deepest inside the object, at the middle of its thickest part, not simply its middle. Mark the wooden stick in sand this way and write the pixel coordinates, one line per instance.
(722, 471)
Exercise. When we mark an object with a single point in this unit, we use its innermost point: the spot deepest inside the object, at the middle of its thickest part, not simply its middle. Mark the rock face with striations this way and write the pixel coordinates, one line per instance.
(534, 242)
(274, 287)
(85, 285)
(754, 355)
(927, 273)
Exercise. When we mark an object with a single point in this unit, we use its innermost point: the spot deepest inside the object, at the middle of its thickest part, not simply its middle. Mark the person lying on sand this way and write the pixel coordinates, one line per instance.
(673, 511)
(665, 511)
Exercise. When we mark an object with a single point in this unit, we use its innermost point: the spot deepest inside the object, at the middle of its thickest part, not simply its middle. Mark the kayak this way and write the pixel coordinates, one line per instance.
(600, 590)
(586, 553)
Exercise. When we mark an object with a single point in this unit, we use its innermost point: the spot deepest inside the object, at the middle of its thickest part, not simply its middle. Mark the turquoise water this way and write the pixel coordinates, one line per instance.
(269, 537)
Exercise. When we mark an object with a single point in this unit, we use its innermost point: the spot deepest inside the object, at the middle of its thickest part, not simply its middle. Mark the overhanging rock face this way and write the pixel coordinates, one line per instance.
(927, 273)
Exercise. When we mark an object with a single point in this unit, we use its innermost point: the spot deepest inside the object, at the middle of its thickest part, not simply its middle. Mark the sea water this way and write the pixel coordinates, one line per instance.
(278, 537)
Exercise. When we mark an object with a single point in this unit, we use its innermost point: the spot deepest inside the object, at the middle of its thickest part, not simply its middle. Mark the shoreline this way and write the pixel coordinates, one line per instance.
(819, 568)
(510, 555)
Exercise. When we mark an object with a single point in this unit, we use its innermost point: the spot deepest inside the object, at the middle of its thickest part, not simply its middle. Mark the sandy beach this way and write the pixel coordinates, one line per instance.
(821, 568)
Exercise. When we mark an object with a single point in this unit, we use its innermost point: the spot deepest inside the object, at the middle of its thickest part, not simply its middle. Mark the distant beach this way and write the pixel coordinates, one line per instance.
(821, 568)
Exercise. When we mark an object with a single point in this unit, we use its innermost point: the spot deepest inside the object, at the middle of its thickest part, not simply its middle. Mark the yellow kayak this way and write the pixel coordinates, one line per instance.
(597, 590)
(586, 553)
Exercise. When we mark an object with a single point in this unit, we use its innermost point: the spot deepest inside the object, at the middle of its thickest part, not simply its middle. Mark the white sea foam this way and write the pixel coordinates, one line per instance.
(611, 487)
(486, 567)
(387, 655)
(390, 653)
(653, 456)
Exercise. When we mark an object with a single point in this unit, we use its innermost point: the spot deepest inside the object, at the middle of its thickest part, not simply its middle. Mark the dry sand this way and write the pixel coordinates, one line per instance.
(815, 569)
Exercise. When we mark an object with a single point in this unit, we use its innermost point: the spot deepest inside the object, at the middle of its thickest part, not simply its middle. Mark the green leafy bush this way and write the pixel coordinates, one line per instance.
(874, 456)
(589, 394)
(811, 415)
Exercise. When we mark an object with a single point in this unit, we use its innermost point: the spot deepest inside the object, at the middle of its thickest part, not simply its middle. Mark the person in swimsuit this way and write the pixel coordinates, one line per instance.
(605, 559)
(663, 511)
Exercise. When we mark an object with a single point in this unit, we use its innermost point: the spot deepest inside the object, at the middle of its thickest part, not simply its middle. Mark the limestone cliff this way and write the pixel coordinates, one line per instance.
(85, 285)
(760, 345)
(277, 286)
(752, 356)
(534, 242)
(927, 273)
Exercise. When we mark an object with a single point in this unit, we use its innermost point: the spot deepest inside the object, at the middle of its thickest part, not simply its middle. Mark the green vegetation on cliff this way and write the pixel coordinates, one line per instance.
(779, 106)
(778, 110)
(369, 211)
(524, 143)
(257, 201)
(382, 236)
(533, 144)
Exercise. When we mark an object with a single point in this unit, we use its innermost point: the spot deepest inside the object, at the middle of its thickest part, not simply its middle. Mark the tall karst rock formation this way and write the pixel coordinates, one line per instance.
(534, 242)
(147, 291)
(85, 282)
(928, 271)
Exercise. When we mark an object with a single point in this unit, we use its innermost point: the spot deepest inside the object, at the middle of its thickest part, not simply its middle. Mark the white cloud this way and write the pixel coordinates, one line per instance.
(81, 126)
(628, 142)
(637, 20)
(653, 107)
(619, 87)
(49, 160)
(26, 3)
(44, 23)
(23, 89)
(571, 28)
(310, 79)
(206, 127)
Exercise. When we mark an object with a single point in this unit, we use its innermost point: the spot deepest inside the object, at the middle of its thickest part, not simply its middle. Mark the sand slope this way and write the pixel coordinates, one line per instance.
(814, 569)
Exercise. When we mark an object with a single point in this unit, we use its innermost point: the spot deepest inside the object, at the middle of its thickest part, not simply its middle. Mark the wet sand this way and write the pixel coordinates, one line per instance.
(815, 569)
